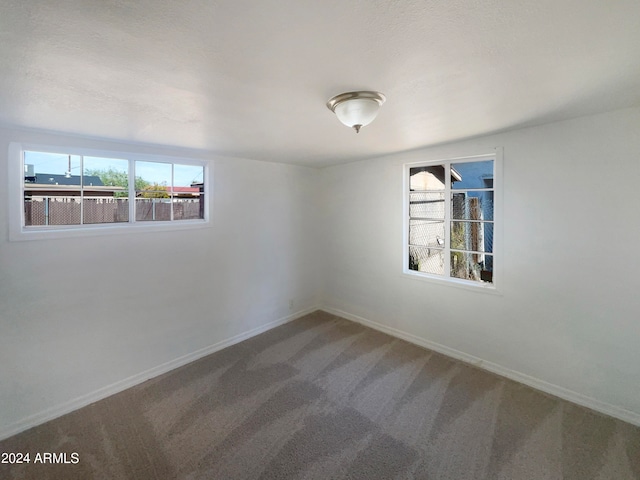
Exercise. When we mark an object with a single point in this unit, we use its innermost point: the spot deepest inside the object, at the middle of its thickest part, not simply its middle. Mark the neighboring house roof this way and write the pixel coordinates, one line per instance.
(424, 177)
(183, 189)
(57, 179)
(51, 184)
(54, 184)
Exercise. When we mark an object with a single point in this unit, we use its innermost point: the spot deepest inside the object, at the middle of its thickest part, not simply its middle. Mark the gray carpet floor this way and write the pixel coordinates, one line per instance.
(325, 398)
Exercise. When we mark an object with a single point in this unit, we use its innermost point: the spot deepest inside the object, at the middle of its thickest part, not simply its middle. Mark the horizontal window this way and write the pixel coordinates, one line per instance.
(72, 191)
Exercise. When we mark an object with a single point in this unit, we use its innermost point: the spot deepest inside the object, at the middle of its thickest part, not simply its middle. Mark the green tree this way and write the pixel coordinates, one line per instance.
(155, 190)
(117, 178)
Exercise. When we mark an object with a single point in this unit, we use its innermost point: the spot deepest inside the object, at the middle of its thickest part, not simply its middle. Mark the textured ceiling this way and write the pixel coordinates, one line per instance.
(251, 78)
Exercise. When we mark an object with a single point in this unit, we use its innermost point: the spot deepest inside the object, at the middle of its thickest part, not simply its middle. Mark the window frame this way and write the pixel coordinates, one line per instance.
(18, 231)
(446, 279)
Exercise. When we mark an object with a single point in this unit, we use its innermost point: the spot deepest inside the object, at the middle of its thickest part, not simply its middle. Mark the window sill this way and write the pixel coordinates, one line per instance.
(69, 231)
(452, 282)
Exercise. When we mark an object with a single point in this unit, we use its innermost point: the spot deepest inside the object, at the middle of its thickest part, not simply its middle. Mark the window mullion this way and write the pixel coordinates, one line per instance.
(447, 219)
(81, 187)
(132, 192)
(407, 233)
(171, 194)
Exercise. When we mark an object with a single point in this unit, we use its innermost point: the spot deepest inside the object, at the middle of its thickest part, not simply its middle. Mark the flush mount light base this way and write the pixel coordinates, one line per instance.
(356, 109)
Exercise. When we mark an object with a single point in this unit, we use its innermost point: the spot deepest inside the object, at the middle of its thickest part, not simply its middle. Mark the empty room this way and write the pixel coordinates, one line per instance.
(319, 240)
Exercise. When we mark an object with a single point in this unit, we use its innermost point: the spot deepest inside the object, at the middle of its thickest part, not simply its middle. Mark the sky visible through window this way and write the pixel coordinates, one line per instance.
(53, 163)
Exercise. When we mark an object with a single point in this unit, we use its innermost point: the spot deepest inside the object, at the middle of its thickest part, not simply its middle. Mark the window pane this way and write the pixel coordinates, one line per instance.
(153, 186)
(51, 189)
(472, 175)
(426, 205)
(153, 179)
(51, 169)
(426, 178)
(427, 260)
(426, 233)
(105, 190)
(97, 209)
(187, 175)
(476, 236)
(153, 209)
(472, 206)
(109, 173)
(51, 209)
(472, 266)
(188, 192)
(188, 208)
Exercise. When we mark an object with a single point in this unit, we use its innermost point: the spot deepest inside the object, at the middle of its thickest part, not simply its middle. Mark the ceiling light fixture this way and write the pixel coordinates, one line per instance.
(356, 109)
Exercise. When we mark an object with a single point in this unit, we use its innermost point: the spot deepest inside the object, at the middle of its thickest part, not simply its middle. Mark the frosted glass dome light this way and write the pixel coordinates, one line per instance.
(356, 109)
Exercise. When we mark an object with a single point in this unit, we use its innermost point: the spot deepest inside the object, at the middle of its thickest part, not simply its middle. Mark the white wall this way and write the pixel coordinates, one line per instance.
(79, 315)
(568, 319)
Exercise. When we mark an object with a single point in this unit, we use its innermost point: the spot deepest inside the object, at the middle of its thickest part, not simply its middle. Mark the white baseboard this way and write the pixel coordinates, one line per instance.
(561, 392)
(91, 397)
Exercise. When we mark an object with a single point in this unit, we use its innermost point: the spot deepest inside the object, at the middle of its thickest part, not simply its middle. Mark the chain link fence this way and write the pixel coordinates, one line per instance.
(52, 210)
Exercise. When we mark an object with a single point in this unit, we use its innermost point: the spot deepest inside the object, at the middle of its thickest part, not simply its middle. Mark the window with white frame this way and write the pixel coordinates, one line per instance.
(451, 219)
(64, 190)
